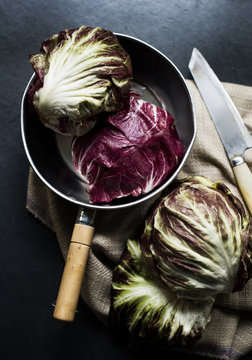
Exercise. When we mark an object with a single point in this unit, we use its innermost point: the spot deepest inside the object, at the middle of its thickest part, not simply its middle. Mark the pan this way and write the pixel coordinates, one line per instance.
(160, 82)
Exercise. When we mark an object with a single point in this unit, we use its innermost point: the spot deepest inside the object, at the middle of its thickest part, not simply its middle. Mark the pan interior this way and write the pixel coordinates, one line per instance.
(159, 82)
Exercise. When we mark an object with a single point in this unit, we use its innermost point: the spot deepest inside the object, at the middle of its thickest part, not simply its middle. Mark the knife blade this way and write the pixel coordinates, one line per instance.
(227, 120)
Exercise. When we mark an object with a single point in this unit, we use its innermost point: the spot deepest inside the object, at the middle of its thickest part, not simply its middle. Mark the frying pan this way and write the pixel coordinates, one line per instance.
(49, 154)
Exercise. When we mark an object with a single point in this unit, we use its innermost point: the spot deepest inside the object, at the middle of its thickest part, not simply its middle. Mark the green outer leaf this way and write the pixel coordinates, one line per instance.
(197, 238)
(148, 309)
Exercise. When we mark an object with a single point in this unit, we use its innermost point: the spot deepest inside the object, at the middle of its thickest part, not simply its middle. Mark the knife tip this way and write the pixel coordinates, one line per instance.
(191, 61)
(195, 55)
(195, 51)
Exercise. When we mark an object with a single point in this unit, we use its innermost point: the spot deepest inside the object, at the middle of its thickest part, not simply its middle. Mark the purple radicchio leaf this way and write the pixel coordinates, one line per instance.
(131, 154)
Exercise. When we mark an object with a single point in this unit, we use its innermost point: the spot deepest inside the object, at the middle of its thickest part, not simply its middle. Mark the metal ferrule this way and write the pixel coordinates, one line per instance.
(237, 160)
(86, 216)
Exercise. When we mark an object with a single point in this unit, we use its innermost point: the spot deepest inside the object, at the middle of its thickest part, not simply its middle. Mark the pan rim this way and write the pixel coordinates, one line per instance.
(138, 200)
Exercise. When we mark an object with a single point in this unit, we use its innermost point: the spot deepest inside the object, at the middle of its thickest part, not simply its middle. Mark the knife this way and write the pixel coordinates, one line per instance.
(227, 120)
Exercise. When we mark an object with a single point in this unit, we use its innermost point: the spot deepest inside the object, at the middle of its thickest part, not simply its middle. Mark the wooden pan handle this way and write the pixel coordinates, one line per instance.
(243, 177)
(73, 273)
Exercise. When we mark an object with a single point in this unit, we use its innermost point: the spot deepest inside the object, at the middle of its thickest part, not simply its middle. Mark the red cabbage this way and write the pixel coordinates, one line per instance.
(131, 154)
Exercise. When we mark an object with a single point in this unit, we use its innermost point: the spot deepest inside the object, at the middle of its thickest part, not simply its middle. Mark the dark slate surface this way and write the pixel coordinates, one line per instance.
(30, 260)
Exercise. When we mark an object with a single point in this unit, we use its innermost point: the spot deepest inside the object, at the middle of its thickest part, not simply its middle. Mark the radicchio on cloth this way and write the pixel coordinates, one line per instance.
(132, 153)
(197, 240)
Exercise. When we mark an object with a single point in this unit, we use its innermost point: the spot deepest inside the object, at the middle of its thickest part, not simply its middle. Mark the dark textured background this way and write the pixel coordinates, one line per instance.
(30, 260)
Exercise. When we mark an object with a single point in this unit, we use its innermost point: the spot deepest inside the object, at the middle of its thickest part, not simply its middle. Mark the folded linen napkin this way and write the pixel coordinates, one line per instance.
(229, 334)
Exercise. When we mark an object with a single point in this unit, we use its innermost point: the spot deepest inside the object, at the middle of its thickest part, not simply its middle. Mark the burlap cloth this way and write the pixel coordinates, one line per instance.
(229, 334)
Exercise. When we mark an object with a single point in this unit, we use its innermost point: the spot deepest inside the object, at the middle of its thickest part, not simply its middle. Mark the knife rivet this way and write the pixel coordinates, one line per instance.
(237, 160)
